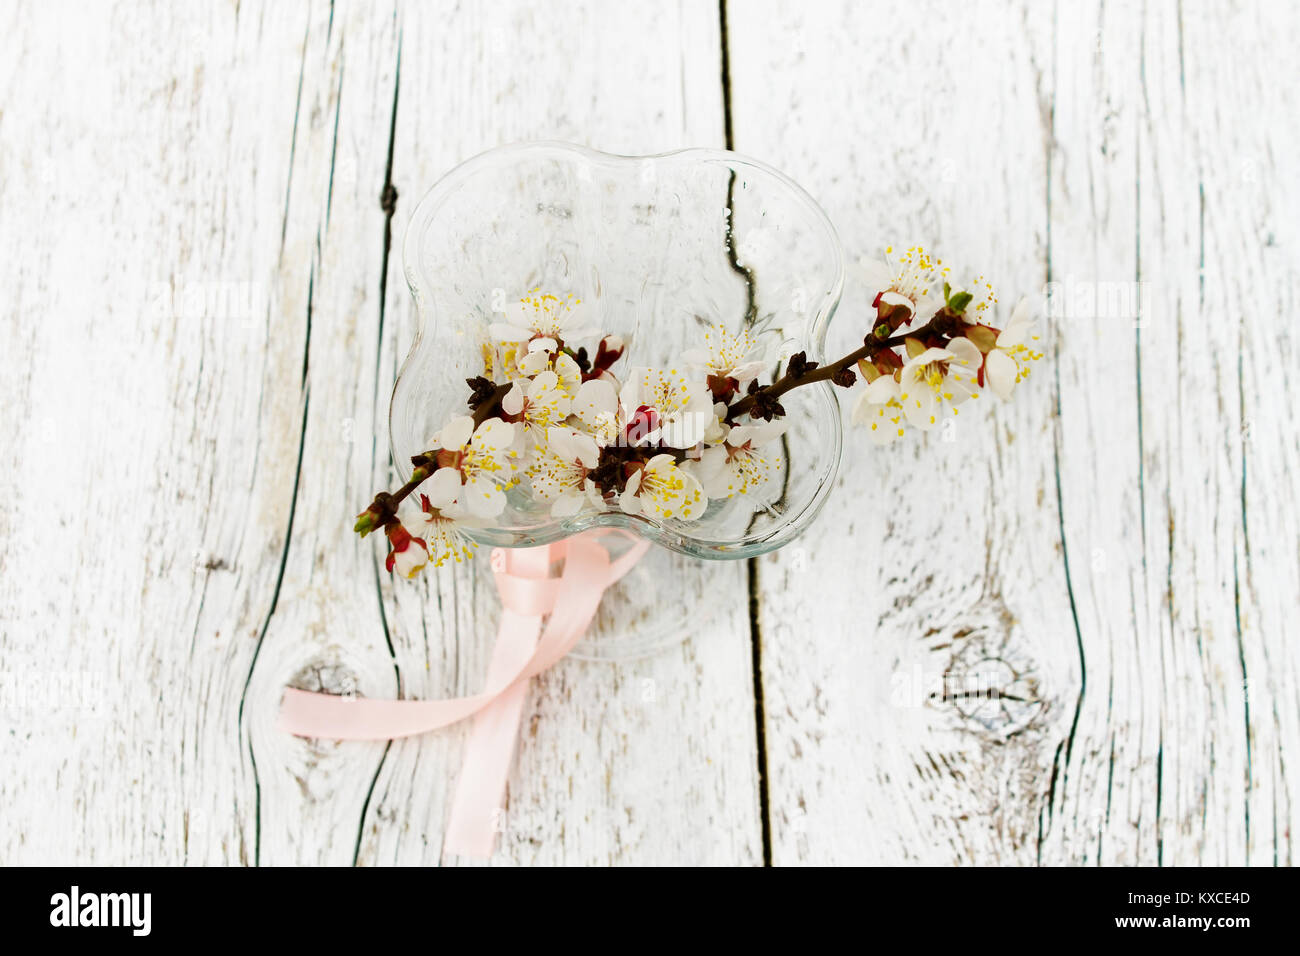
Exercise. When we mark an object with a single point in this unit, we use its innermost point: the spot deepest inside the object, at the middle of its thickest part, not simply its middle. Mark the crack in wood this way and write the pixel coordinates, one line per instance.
(266, 623)
(388, 202)
(751, 570)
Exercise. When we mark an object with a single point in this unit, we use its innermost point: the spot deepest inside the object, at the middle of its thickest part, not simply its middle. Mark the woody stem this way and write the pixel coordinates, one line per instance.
(390, 500)
(492, 405)
(825, 372)
(401, 493)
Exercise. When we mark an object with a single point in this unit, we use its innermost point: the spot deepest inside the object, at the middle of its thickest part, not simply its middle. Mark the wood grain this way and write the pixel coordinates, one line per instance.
(602, 773)
(650, 761)
(243, 436)
(1102, 519)
(203, 210)
(154, 405)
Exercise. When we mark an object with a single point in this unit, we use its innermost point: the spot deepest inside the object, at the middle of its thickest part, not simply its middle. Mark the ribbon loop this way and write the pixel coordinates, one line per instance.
(527, 596)
(524, 648)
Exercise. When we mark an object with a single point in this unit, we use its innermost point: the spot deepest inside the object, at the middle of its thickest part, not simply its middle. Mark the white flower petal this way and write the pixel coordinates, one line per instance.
(876, 275)
(919, 409)
(883, 431)
(1000, 371)
(630, 396)
(863, 408)
(568, 372)
(495, 434)
(595, 400)
(545, 487)
(513, 403)
(483, 498)
(965, 353)
(442, 487)
(955, 392)
(881, 390)
(757, 434)
(930, 355)
(1018, 327)
(710, 462)
(455, 434)
(559, 442)
(408, 563)
(588, 455)
(544, 382)
(722, 485)
(747, 371)
(567, 505)
(685, 431)
(521, 315)
(572, 315)
(534, 362)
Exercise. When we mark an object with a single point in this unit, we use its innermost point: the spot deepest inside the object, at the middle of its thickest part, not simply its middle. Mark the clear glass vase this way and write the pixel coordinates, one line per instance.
(657, 247)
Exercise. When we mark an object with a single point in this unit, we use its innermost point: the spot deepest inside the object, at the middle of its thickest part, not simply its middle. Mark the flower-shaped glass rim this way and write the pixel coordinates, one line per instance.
(672, 538)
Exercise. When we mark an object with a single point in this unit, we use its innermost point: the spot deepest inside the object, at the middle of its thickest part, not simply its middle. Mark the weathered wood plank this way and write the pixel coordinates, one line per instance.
(935, 563)
(1110, 561)
(152, 409)
(1173, 758)
(650, 761)
(251, 164)
(647, 762)
(1234, 537)
(327, 630)
(203, 324)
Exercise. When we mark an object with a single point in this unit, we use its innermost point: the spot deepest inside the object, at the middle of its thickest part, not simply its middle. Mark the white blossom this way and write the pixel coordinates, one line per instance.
(879, 409)
(910, 278)
(540, 403)
(662, 489)
(558, 471)
(735, 466)
(478, 467)
(938, 378)
(727, 355)
(1007, 363)
(541, 319)
(444, 534)
(446, 541)
(597, 411)
(665, 407)
(566, 370)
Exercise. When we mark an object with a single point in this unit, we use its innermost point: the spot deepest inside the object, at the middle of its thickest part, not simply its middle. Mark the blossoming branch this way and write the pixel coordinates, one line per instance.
(552, 419)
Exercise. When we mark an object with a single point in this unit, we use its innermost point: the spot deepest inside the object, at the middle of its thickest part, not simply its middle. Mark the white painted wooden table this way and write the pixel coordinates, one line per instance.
(203, 314)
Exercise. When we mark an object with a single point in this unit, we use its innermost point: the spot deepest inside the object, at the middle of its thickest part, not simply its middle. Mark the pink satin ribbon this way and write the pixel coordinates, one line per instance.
(523, 649)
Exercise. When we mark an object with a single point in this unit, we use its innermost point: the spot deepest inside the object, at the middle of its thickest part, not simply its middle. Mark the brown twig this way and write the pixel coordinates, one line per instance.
(490, 407)
(383, 510)
(941, 324)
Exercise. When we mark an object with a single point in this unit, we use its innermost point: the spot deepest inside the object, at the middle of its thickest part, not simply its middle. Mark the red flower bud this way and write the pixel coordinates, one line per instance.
(608, 352)
(409, 554)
